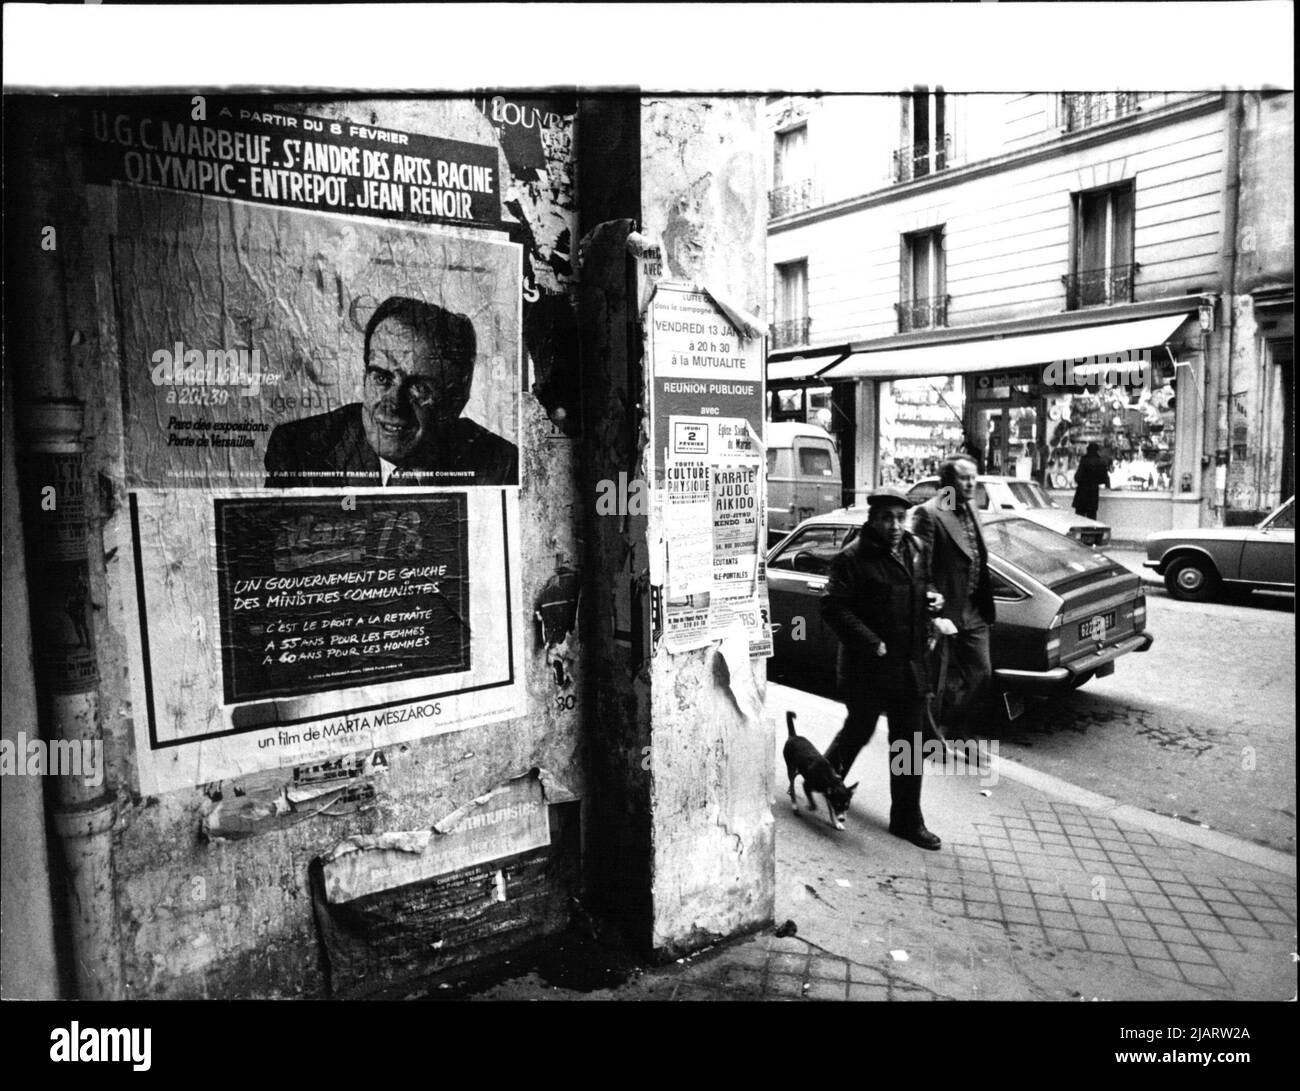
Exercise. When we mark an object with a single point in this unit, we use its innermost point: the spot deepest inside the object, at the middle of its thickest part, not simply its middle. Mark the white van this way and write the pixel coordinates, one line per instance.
(803, 476)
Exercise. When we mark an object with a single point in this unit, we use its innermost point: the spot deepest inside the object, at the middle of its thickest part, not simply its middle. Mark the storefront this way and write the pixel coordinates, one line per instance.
(1029, 405)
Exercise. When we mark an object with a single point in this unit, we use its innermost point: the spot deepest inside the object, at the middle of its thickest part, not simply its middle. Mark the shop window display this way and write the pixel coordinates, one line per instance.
(1132, 424)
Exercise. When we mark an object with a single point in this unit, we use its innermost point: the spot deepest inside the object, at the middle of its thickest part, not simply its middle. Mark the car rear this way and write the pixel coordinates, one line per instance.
(1098, 606)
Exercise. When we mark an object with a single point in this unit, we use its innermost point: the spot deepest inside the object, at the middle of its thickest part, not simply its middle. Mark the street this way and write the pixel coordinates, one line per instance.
(1201, 727)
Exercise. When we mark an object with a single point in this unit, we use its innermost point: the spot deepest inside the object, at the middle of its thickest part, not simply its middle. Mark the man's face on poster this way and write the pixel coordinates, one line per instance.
(413, 389)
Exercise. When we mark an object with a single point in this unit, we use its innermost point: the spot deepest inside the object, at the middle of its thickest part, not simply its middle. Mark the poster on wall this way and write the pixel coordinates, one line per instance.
(270, 631)
(246, 149)
(271, 347)
(320, 426)
(706, 398)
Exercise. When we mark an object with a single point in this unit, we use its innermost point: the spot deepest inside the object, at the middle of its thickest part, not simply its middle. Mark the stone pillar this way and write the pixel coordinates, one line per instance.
(679, 848)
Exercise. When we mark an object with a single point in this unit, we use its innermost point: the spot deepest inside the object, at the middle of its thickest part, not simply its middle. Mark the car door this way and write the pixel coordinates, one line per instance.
(1268, 555)
(796, 578)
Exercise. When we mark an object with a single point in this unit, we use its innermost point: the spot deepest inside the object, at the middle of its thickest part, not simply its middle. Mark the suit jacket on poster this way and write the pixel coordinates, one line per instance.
(871, 597)
(331, 449)
(950, 557)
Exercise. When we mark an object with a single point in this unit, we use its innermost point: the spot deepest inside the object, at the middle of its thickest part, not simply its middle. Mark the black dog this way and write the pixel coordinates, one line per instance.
(802, 759)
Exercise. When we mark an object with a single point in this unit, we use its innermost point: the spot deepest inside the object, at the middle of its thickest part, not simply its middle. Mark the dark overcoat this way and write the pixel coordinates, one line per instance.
(871, 597)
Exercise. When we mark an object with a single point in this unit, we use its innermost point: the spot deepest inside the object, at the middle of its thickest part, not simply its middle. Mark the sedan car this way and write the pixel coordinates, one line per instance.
(1197, 563)
(1065, 613)
(1030, 499)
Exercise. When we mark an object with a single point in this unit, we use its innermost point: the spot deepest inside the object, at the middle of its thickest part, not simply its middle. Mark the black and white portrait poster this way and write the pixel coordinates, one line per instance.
(271, 346)
(320, 432)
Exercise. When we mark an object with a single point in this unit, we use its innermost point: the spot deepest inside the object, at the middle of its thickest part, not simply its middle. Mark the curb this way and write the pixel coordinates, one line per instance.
(1224, 844)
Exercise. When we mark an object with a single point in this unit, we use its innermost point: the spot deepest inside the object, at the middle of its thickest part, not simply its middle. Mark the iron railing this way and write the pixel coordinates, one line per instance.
(922, 314)
(787, 200)
(1099, 287)
(918, 160)
(790, 333)
(1083, 109)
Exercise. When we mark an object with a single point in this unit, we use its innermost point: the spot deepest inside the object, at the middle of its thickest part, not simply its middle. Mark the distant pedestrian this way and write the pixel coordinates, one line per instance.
(1092, 474)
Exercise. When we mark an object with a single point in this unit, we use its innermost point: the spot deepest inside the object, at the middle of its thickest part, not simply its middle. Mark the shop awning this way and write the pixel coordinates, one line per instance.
(797, 370)
(965, 357)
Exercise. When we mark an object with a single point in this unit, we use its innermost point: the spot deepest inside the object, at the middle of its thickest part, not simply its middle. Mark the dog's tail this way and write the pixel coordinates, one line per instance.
(789, 723)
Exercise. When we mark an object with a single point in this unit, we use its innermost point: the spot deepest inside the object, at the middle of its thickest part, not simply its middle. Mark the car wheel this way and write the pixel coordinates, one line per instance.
(1192, 579)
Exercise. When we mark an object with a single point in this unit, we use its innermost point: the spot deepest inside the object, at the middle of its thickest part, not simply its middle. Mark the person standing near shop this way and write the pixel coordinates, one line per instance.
(949, 527)
(878, 602)
(1092, 474)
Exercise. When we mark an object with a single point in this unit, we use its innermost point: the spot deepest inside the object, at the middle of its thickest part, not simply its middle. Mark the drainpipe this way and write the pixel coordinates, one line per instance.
(1218, 395)
(58, 529)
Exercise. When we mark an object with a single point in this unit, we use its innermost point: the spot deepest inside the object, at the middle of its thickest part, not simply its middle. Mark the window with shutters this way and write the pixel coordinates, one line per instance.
(1102, 265)
(792, 186)
(792, 323)
(925, 134)
(922, 299)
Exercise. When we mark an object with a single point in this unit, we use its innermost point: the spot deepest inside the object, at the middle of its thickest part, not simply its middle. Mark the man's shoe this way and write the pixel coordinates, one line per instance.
(919, 836)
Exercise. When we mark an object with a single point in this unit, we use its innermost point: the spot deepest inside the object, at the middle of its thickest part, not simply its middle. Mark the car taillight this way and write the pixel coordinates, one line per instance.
(1054, 639)
(1140, 613)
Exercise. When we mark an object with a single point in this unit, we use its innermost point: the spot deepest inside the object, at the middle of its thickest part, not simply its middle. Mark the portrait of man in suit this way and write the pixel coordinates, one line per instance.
(407, 429)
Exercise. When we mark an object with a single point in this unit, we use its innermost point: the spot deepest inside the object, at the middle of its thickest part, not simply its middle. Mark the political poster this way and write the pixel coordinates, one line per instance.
(270, 631)
(272, 347)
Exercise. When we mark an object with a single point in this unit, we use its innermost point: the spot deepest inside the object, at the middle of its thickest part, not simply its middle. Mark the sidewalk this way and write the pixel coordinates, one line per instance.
(1042, 891)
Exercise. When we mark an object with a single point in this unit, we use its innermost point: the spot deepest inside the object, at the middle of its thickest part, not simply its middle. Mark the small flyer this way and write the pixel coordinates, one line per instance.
(688, 528)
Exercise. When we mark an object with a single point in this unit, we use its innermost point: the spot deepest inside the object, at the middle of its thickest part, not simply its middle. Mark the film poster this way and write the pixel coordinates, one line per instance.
(320, 424)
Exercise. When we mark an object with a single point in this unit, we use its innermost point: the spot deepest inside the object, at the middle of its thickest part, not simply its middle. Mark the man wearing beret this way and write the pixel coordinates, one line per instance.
(878, 602)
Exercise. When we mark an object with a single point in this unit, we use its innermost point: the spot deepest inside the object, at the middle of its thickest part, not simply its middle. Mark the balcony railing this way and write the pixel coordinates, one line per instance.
(1084, 109)
(787, 200)
(918, 160)
(922, 314)
(1099, 287)
(790, 333)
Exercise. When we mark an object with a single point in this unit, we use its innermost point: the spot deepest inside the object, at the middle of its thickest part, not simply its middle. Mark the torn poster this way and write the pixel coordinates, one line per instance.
(272, 631)
(701, 369)
(508, 820)
(288, 349)
(244, 150)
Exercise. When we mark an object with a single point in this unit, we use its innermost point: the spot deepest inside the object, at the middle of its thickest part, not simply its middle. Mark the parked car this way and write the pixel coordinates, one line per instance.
(1065, 612)
(1028, 498)
(803, 476)
(1197, 563)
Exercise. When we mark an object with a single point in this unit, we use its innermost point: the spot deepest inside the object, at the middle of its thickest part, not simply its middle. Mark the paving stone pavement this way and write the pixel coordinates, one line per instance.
(1040, 892)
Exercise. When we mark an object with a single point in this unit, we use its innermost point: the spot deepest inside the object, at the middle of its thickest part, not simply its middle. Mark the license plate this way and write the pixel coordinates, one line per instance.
(1096, 627)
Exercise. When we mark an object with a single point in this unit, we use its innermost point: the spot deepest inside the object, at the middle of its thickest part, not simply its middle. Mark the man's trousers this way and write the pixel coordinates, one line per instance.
(963, 699)
(907, 724)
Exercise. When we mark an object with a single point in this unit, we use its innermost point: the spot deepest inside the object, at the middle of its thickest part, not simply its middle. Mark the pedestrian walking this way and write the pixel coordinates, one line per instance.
(1093, 472)
(878, 601)
(949, 527)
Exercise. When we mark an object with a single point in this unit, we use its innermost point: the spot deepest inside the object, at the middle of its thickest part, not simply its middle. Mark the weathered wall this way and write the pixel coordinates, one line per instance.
(711, 767)
(234, 918)
(1265, 259)
(1266, 216)
(678, 824)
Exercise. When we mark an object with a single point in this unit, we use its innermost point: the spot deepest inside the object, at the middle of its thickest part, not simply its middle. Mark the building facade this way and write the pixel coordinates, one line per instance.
(1022, 275)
